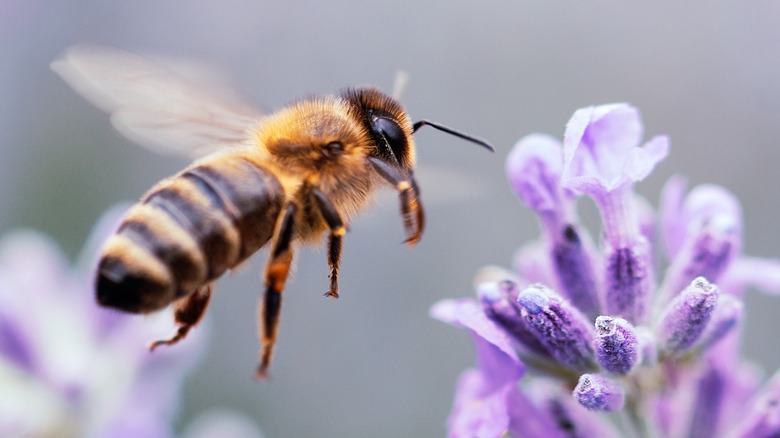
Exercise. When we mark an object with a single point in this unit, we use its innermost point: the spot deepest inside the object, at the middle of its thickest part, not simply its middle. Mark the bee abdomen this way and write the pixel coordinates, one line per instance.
(188, 231)
(248, 194)
(185, 202)
(149, 262)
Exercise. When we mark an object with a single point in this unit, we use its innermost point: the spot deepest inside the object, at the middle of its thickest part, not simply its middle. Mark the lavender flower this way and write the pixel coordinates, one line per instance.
(602, 159)
(763, 416)
(686, 317)
(499, 302)
(617, 345)
(707, 238)
(534, 168)
(483, 406)
(727, 315)
(558, 326)
(599, 393)
(70, 368)
(665, 356)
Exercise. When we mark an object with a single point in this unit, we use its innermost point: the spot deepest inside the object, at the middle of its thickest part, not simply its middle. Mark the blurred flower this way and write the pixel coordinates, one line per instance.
(71, 369)
(222, 423)
(587, 330)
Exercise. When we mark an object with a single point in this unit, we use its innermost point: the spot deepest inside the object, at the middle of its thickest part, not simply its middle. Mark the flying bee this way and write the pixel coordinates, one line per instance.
(289, 177)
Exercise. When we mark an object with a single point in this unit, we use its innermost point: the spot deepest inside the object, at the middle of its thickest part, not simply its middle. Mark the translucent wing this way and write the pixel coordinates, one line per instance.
(170, 107)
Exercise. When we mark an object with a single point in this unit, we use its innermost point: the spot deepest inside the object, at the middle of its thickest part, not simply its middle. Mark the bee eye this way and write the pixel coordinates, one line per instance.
(392, 133)
(332, 149)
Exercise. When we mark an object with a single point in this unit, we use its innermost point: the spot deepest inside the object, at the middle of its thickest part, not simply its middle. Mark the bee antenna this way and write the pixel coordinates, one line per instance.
(451, 131)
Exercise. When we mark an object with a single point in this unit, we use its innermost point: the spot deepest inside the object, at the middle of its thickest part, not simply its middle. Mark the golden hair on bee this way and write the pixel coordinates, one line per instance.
(297, 175)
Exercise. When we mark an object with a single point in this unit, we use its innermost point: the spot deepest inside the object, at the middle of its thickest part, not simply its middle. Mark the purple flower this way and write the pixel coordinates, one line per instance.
(499, 302)
(601, 152)
(617, 345)
(709, 390)
(686, 317)
(668, 355)
(763, 416)
(602, 159)
(534, 167)
(482, 403)
(70, 368)
(599, 393)
(703, 234)
(727, 315)
(488, 402)
(561, 328)
(569, 415)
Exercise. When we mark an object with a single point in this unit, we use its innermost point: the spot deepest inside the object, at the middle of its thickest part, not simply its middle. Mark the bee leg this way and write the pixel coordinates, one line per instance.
(334, 259)
(275, 277)
(335, 240)
(409, 194)
(188, 313)
(420, 212)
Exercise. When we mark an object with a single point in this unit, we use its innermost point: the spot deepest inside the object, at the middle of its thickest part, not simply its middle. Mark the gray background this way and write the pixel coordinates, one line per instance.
(373, 363)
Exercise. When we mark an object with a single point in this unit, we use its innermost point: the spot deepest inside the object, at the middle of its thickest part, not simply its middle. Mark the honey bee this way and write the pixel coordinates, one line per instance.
(289, 177)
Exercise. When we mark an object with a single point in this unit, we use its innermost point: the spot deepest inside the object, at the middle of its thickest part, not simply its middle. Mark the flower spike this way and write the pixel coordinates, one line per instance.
(595, 330)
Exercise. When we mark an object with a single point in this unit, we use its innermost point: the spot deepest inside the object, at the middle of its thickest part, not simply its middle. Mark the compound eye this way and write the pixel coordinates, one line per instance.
(332, 149)
(392, 133)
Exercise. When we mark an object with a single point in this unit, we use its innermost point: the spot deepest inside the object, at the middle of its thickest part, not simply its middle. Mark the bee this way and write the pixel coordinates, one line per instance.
(287, 178)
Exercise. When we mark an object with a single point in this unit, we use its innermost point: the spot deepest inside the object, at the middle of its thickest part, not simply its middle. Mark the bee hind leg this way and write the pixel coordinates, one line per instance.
(187, 314)
(335, 240)
(275, 277)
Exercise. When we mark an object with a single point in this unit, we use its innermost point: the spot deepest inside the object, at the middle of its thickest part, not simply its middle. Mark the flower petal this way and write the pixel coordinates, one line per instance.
(760, 273)
(466, 313)
(474, 413)
(601, 149)
(641, 161)
(596, 143)
(534, 168)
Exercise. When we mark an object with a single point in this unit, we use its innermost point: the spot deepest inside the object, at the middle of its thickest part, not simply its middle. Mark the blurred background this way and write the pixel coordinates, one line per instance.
(373, 363)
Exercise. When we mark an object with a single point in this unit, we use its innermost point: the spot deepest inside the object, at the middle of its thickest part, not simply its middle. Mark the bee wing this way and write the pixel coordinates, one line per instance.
(168, 107)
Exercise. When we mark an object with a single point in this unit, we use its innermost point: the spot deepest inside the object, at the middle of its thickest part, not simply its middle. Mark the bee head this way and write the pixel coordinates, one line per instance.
(391, 128)
(388, 124)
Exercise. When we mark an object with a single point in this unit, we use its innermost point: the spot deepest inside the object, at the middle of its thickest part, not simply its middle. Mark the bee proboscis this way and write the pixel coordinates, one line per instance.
(292, 176)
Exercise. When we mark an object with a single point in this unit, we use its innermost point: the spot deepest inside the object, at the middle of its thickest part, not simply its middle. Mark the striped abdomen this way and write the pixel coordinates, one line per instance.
(187, 232)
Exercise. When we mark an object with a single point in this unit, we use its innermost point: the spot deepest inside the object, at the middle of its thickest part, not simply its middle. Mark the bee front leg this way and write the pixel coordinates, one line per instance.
(335, 240)
(188, 312)
(275, 277)
(409, 194)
